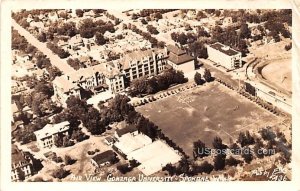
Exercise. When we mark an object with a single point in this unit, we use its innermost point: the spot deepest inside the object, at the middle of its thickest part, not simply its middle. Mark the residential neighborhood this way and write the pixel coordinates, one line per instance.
(151, 95)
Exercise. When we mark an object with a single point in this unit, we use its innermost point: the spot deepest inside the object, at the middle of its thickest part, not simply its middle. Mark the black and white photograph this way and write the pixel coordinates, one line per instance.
(150, 95)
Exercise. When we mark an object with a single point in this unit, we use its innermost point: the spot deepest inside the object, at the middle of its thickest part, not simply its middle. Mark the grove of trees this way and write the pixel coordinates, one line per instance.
(163, 81)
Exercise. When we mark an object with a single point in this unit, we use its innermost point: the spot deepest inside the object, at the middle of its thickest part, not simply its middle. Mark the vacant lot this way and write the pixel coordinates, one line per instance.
(279, 72)
(204, 113)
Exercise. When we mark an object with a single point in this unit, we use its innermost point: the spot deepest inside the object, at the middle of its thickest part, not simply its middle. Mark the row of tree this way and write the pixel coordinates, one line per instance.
(145, 35)
(75, 63)
(163, 81)
(57, 50)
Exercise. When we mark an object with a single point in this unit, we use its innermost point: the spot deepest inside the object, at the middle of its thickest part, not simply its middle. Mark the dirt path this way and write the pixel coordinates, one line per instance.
(55, 60)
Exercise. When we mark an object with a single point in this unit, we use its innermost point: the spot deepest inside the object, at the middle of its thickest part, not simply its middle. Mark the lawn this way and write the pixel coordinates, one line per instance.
(204, 113)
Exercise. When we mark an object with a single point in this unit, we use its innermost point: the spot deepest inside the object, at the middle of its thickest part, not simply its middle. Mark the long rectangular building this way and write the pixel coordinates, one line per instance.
(224, 56)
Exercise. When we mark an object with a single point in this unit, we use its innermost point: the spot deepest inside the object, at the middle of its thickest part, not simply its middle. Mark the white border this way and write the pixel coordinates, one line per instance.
(7, 5)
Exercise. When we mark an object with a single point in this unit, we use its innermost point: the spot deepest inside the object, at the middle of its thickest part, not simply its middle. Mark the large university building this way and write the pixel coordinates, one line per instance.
(115, 76)
(224, 56)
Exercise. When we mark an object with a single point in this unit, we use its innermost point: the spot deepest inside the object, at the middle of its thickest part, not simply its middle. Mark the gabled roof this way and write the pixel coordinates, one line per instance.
(179, 59)
(106, 156)
(51, 129)
(176, 50)
(125, 130)
(18, 156)
(64, 84)
(135, 55)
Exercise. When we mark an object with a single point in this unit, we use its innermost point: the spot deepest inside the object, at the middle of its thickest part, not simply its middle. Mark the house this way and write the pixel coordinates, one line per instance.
(227, 21)
(14, 109)
(109, 140)
(17, 87)
(17, 125)
(180, 60)
(102, 159)
(76, 42)
(45, 136)
(21, 164)
(63, 88)
(128, 129)
(224, 56)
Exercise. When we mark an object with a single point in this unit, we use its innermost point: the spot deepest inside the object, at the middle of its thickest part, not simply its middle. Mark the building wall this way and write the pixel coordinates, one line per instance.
(62, 96)
(185, 67)
(116, 84)
(48, 142)
(223, 59)
(26, 169)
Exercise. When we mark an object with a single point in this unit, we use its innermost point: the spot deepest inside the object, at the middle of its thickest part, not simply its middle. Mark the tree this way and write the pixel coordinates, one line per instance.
(205, 167)
(42, 37)
(183, 167)
(158, 15)
(232, 161)
(99, 39)
(197, 78)
(245, 139)
(247, 155)
(68, 160)
(79, 12)
(245, 31)
(217, 143)
(182, 38)
(60, 173)
(199, 149)
(87, 28)
(207, 76)
(219, 162)
(170, 169)
(161, 44)
(143, 21)
(257, 149)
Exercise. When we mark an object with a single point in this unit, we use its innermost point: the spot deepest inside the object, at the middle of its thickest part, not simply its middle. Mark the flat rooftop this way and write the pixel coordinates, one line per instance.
(224, 49)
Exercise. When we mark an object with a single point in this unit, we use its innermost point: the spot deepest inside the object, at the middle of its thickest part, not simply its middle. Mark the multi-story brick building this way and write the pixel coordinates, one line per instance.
(111, 76)
(224, 56)
(21, 165)
(45, 136)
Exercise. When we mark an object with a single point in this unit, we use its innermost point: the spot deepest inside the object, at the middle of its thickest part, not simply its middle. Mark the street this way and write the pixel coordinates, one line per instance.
(54, 59)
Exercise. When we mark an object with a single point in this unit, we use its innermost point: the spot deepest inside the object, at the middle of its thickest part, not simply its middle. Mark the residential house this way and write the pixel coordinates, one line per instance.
(45, 136)
(102, 159)
(227, 21)
(224, 56)
(128, 129)
(17, 87)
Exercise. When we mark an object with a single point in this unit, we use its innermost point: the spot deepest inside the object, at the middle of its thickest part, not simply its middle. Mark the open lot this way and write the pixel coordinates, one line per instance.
(279, 72)
(204, 113)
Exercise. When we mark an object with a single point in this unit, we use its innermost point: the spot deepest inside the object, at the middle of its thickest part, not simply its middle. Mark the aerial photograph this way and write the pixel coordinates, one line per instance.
(151, 95)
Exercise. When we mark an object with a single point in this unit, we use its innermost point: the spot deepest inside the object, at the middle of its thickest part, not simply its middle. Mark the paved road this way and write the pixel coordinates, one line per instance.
(222, 75)
(55, 60)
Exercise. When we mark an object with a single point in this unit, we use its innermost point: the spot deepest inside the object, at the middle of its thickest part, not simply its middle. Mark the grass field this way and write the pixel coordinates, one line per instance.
(204, 113)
